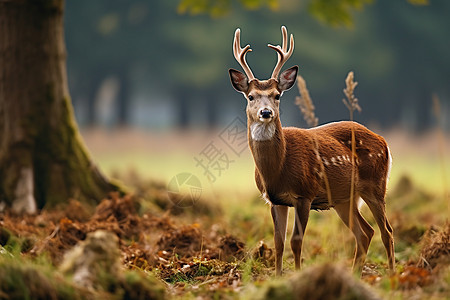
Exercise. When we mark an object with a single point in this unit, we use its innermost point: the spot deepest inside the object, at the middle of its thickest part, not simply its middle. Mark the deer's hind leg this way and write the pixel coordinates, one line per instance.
(362, 231)
(376, 203)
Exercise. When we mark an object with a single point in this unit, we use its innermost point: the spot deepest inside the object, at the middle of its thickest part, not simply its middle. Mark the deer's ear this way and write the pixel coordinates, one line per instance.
(238, 80)
(287, 78)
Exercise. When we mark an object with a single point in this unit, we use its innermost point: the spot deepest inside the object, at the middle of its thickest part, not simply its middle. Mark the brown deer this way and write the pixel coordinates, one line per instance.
(289, 162)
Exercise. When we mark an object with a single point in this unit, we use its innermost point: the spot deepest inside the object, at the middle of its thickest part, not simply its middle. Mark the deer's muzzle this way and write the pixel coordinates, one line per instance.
(265, 113)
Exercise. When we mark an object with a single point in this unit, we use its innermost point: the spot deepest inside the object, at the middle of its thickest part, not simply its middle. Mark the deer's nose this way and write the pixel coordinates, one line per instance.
(265, 113)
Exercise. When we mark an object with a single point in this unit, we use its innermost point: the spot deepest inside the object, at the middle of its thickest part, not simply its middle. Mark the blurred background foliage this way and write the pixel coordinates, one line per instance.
(163, 64)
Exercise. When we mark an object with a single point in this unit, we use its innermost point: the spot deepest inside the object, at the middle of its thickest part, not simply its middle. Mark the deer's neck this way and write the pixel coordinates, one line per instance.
(268, 147)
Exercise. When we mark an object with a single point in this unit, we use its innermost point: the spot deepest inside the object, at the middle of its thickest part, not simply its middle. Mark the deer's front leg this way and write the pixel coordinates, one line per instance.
(302, 208)
(279, 217)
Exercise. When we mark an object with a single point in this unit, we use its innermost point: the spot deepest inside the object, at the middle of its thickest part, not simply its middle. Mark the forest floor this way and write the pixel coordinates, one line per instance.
(204, 259)
(171, 243)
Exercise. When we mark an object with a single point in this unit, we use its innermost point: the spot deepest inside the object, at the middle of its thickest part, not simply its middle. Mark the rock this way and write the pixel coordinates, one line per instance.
(95, 262)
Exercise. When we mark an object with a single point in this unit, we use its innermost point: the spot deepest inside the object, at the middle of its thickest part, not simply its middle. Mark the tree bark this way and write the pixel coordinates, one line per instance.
(43, 160)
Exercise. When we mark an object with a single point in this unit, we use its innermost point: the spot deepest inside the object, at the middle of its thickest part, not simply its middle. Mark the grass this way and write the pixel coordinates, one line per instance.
(237, 182)
(236, 209)
(252, 215)
(424, 169)
(164, 166)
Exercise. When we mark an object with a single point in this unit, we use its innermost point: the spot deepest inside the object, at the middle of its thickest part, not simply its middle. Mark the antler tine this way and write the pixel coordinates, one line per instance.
(239, 54)
(283, 53)
(284, 33)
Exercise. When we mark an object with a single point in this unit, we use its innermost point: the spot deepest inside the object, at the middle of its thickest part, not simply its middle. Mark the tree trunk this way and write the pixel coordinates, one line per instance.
(43, 160)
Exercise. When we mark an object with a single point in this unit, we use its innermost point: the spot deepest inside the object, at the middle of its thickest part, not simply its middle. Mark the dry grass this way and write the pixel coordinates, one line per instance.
(352, 104)
(435, 248)
(220, 260)
(441, 140)
(305, 103)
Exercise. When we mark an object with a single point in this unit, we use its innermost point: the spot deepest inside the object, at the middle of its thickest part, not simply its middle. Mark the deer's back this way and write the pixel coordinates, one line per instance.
(333, 142)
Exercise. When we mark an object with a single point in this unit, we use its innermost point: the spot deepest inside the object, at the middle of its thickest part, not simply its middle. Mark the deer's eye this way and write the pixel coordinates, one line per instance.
(250, 97)
(277, 97)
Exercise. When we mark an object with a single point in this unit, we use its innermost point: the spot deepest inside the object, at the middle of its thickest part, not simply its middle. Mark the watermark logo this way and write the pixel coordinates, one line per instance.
(235, 136)
(214, 159)
(184, 189)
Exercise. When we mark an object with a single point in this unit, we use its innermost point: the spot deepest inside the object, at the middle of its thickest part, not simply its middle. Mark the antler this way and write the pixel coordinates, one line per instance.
(283, 54)
(239, 54)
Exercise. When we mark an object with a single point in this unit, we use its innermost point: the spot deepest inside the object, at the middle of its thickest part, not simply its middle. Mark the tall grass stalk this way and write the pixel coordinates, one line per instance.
(305, 103)
(441, 141)
(352, 104)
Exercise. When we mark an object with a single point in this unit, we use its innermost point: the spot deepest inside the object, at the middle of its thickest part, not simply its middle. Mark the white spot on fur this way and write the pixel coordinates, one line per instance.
(266, 198)
(360, 142)
(333, 160)
(262, 131)
(379, 154)
(370, 155)
(326, 162)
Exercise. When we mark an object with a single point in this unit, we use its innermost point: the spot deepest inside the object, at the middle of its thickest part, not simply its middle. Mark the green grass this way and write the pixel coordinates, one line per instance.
(327, 239)
(238, 178)
(425, 171)
(244, 211)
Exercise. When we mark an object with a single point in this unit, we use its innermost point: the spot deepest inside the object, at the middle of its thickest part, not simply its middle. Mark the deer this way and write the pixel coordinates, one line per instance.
(290, 162)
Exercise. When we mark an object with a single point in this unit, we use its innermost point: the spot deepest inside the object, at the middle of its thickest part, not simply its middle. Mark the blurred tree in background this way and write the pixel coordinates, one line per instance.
(163, 69)
(43, 160)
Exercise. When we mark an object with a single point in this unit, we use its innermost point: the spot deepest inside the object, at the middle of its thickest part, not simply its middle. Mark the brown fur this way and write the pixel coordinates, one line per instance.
(288, 163)
(287, 171)
(294, 166)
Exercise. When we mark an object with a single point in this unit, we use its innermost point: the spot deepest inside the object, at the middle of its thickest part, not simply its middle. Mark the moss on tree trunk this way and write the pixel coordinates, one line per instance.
(42, 156)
